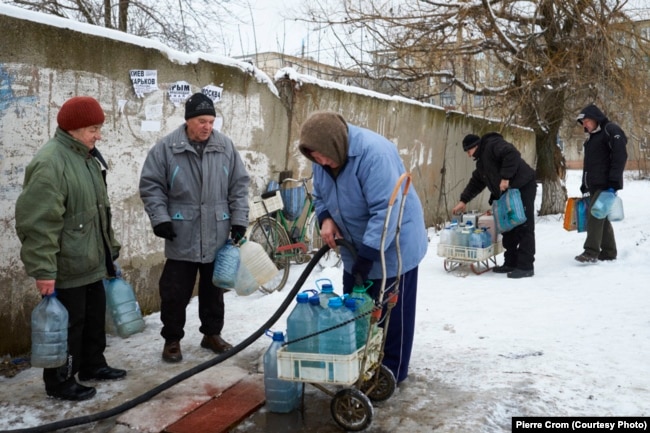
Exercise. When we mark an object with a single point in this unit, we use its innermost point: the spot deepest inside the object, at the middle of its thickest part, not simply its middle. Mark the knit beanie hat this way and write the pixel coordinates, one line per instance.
(325, 132)
(80, 112)
(470, 141)
(198, 105)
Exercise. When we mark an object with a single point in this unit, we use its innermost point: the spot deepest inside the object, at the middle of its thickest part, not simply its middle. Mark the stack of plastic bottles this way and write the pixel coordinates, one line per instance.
(465, 235)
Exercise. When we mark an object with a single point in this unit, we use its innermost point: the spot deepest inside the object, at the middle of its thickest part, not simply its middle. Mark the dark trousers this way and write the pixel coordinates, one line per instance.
(519, 243)
(401, 327)
(86, 307)
(600, 234)
(176, 286)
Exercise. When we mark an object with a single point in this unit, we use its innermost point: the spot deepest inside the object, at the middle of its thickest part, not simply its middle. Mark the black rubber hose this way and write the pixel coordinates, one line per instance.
(194, 370)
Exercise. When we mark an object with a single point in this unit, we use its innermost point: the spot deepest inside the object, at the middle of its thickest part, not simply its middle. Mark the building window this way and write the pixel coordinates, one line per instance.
(447, 99)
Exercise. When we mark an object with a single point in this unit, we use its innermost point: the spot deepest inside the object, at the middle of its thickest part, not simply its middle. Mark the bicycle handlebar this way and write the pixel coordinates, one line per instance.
(303, 180)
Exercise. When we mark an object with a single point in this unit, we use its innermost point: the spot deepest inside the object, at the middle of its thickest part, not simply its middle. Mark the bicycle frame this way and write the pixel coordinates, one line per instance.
(275, 232)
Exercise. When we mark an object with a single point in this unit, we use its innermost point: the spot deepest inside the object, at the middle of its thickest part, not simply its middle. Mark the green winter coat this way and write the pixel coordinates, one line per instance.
(63, 216)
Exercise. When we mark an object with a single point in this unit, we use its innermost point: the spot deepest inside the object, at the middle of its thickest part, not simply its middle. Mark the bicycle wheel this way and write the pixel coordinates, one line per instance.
(270, 234)
(332, 258)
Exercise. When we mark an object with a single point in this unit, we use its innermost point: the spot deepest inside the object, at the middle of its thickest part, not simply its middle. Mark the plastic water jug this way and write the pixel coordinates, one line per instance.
(300, 323)
(446, 236)
(487, 220)
(245, 283)
(259, 264)
(341, 340)
(616, 213)
(603, 204)
(487, 237)
(326, 290)
(282, 396)
(226, 265)
(49, 333)
(476, 239)
(123, 307)
(364, 304)
(463, 236)
(316, 308)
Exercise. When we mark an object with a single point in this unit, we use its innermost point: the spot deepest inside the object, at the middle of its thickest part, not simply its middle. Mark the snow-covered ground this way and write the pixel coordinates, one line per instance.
(574, 340)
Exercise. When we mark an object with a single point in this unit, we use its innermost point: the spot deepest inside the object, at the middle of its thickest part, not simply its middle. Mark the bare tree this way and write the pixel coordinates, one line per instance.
(187, 25)
(536, 63)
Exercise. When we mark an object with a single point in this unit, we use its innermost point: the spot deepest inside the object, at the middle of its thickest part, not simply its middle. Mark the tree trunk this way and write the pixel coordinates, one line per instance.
(551, 170)
(123, 12)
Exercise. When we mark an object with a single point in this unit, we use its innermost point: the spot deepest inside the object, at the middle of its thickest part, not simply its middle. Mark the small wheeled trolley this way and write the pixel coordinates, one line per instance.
(480, 260)
(364, 378)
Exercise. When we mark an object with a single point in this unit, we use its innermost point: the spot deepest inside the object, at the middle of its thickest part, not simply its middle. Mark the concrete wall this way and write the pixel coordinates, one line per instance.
(44, 61)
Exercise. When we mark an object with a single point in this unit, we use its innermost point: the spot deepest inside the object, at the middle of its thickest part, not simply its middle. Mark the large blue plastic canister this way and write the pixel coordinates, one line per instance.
(226, 265)
(300, 323)
(123, 307)
(603, 204)
(49, 333)
(338, 340)
(282, 396)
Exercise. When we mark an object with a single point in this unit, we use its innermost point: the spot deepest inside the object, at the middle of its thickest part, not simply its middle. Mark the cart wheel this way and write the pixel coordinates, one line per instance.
(450, 265)
(351, 409)
(382, 387)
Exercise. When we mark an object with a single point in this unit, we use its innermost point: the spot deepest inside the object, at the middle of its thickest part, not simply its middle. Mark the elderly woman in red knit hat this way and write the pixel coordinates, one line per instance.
(63, 220)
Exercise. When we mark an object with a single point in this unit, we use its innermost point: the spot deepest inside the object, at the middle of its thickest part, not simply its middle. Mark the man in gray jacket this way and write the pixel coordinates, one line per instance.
(195, 190)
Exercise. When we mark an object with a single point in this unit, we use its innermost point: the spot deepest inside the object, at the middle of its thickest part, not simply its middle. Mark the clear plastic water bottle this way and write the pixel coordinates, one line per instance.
(49, 333)
(476, 239)
(341, 340)
(603, 204)
(245, 284)
(486, 237)
(123, 307)
(226, 265)
(616, 213)
(300, 323)
(282, 396)
(257, 261)
(326, 291)
(446, 235)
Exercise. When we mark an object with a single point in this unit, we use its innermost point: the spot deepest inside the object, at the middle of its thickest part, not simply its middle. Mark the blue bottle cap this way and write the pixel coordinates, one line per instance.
(302, 298)
(327, 288)
(335, 302)
(278, 336)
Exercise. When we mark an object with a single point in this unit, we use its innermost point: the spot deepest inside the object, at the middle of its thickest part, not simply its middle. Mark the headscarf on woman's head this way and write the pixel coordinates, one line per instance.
(325, 132)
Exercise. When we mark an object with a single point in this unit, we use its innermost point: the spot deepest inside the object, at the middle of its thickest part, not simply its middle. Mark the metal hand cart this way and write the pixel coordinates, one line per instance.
(361, 372)
(480, 260)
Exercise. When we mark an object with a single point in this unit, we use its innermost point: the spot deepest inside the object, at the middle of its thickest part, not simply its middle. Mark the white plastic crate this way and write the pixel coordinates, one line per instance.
(325, 368)
(457, 252)
(261, 207)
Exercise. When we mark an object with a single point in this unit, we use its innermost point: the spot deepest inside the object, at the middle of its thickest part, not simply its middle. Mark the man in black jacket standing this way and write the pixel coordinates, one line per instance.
(604, 163)
(499, 166)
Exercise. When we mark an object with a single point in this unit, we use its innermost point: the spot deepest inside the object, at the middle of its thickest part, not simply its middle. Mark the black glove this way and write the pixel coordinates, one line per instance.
(361, 269)
(165, 230)
(237, 233)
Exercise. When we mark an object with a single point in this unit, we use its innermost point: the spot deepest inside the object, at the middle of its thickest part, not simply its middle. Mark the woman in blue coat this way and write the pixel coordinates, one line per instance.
(355, 172)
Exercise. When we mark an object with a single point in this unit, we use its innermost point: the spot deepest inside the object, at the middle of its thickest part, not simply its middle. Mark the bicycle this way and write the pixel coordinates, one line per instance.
(288, 240)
